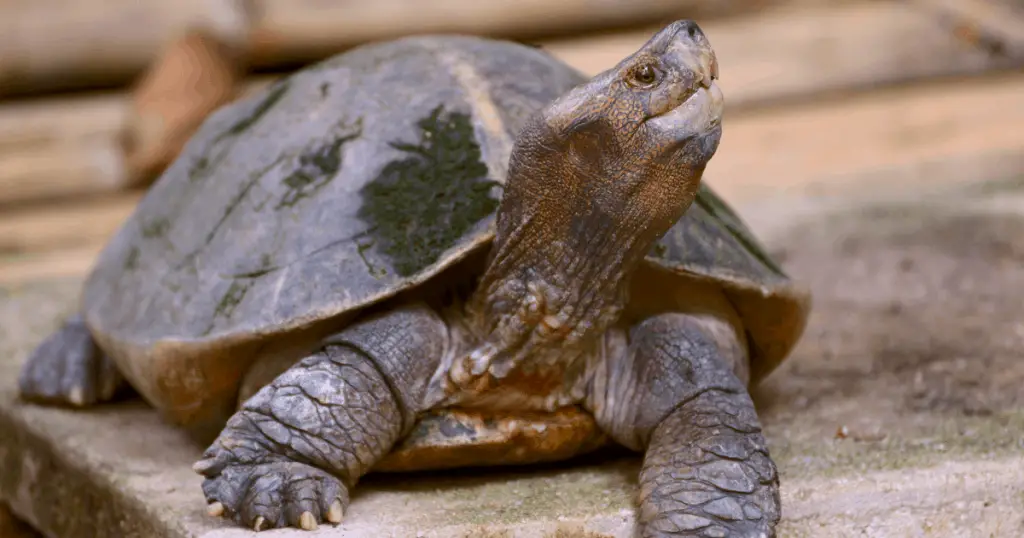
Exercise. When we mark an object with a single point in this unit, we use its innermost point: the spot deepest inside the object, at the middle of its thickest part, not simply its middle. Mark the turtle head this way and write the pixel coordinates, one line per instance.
(628, 147)
(594, 179)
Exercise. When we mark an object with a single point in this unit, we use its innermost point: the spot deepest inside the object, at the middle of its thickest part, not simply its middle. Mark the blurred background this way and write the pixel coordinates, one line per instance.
(824, 97)
(97, 96)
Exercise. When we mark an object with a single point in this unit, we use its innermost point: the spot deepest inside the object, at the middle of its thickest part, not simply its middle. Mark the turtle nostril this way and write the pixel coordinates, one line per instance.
(692, 29)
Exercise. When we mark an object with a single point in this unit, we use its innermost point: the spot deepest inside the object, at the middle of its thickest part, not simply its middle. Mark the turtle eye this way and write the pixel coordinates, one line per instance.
(644, 76)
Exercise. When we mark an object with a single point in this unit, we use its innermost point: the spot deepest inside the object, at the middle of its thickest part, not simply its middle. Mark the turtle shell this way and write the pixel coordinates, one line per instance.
(336, 187)
(711, 243)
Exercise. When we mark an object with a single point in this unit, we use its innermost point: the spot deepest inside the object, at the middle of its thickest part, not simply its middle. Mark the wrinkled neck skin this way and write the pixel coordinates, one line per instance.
(565, 249)
(557, 276)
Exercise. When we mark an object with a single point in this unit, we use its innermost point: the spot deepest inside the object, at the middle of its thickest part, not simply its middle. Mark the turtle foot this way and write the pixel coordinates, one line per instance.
(69, 369)
(276, 494)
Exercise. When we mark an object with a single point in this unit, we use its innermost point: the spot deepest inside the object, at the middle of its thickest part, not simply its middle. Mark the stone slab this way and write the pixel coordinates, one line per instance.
(899, 414)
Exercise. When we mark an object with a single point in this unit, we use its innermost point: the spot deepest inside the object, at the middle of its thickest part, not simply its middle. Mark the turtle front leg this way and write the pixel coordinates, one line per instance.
(706, 471)
(293, 451)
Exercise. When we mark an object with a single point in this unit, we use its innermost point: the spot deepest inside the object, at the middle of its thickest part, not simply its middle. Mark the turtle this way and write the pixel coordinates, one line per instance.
(444, 251)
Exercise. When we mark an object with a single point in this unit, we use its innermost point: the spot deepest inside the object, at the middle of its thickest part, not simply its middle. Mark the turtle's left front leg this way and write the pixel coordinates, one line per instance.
(675, 395)
(291, 453)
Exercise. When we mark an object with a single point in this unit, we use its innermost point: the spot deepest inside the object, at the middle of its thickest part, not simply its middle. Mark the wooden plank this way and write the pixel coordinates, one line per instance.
(86, 43)
(59, 147)
(794, 53)
(872, 140)
(194, 75)
(110, 42)
(61, 120)
(786, 54)
(289, 30)
(882, 142)
(61, 170)
(997, 25)
(63, 225)
(71, 262)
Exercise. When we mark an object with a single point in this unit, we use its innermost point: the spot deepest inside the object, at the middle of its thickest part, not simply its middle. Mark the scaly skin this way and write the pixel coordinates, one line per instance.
(594, 180)
(300, 443)
(706, 471)
(69, 369)
(293, 450)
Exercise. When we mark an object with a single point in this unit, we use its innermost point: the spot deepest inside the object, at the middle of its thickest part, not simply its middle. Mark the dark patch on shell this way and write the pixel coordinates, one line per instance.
(229, 300)
(131, 261)
(317, 166)
(274, 94)
(205, 164)
(155, 228)
(421, 205)
(230, 208)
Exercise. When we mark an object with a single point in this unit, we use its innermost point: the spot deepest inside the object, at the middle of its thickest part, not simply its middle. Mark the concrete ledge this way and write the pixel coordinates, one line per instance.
(900, 413)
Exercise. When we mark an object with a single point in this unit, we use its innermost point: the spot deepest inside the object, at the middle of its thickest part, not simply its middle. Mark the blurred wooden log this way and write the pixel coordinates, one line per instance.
(62, 170)
(876, 141)
(790, 53)
(64, 225)
(797, 53)
(28, 124)
(111, 42)
(70, 262)
(303, 30)
(77, 44)
(996, 25)
(905, 139)
(193, 76)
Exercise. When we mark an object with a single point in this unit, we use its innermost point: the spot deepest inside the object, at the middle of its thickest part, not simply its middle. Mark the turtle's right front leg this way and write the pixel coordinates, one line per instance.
(291, 453)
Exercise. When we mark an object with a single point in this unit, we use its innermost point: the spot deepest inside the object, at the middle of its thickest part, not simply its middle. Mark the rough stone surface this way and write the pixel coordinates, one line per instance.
(900, 413)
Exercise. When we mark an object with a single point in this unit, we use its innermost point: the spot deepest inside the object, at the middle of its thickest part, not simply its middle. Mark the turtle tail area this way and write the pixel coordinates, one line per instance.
(69, 369)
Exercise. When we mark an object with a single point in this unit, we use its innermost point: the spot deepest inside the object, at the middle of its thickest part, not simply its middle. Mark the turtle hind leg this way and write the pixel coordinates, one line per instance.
(68, 368)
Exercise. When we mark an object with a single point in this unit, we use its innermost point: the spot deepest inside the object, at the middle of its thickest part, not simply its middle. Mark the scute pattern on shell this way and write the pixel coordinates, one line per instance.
(277, 191)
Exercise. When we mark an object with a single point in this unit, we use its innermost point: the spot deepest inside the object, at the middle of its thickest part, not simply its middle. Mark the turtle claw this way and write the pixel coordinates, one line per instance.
(335, 513)
(215, 509)
(473, 371)
(275, 494)
(307, 522)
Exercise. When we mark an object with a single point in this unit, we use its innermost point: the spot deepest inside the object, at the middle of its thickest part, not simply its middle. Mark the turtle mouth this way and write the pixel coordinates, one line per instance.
(699, 113)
